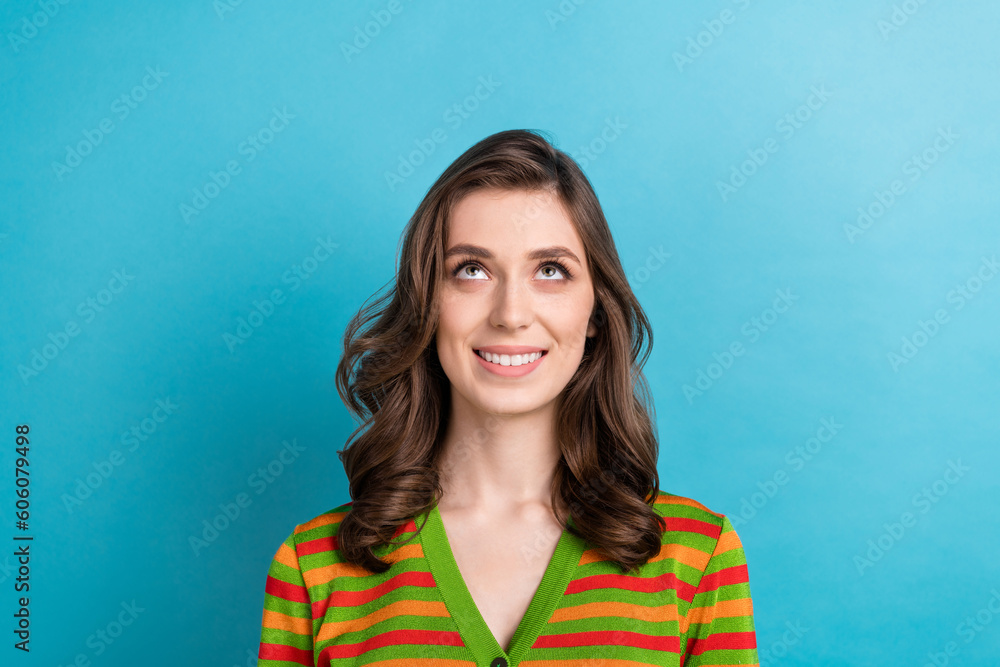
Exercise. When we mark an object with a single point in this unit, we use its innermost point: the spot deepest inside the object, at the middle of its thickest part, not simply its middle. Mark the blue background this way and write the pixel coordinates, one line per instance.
(687, 114)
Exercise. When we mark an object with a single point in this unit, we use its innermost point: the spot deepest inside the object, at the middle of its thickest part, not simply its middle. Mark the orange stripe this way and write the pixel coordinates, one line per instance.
(286, 556)
(667, 612)
(683, 554)
(401, 608)
(594, 555)
(728, 542)
(328, 519)
(326, 574)
(730, 608)
(681, 500)
(721, 609)
(412, 550)
(583, 662)
(278, 621)
(423, 662)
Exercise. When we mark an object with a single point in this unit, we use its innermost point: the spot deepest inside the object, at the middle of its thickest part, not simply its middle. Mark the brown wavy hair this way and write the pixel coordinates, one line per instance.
(391, 379)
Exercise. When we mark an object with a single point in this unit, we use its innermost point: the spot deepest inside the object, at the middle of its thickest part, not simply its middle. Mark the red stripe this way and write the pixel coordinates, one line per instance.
(286, 654)
(330, 543)
(609, 638)
(693, 526)
(663, 582)
(721, 641)
(286, 591)
(731, 575)
(317, 546)
(391, 638)
(408, 527)
(357, 598)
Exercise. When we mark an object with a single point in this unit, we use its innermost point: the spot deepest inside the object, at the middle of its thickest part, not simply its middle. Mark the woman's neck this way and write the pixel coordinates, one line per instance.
(497, 463)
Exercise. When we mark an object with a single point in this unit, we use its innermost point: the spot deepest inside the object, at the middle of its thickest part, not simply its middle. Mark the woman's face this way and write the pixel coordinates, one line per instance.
(504, 288)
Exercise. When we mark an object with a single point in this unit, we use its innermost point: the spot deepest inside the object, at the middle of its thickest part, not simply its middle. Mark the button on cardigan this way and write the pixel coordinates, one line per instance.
(689, 605)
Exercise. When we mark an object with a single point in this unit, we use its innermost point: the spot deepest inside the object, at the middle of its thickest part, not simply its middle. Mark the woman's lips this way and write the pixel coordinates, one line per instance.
(509, 371)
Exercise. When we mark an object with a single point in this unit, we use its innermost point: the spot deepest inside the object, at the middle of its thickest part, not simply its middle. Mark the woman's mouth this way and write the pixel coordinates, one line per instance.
(510, 365)
(510, 359)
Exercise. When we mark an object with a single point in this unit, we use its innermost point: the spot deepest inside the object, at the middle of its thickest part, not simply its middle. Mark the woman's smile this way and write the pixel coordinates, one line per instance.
(507, 365)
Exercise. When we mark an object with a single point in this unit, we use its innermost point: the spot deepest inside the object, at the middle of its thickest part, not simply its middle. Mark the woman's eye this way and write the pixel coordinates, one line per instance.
(469, 271)
(473, 271)
(552, 271)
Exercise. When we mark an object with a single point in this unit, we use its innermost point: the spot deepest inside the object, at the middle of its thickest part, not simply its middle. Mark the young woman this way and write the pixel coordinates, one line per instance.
(506, 506)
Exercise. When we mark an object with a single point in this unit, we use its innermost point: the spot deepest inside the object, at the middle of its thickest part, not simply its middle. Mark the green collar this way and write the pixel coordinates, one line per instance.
(472, 628)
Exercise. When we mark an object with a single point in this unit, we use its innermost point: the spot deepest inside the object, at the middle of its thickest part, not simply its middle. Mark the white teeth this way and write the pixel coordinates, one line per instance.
(509, 360)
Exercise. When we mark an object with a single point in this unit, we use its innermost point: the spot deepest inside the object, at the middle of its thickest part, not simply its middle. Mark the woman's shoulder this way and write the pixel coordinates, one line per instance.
(683, 514)
(315, 545)
(327, 521)
(318, 534)
(697, 536)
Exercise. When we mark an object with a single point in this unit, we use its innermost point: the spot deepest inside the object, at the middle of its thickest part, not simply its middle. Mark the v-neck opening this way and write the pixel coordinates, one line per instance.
(475, 633)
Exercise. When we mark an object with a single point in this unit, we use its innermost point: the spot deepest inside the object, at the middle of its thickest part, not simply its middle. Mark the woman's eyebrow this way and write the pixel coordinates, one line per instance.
(537, 253)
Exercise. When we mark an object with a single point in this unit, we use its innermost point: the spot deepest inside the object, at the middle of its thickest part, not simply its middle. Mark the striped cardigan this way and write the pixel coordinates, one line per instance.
(690, 605)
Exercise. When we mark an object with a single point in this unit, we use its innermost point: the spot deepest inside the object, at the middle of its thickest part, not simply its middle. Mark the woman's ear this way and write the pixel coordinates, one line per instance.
(595, 318)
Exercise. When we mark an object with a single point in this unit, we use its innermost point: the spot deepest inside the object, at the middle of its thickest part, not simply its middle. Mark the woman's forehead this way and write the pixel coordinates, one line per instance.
(507, 216)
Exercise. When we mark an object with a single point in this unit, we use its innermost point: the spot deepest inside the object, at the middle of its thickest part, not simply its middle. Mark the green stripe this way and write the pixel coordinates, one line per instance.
(476, 635)
(464, 619)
